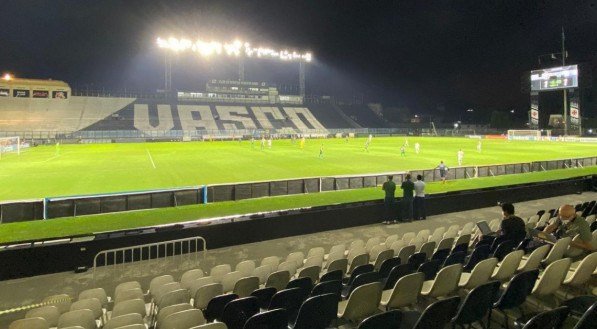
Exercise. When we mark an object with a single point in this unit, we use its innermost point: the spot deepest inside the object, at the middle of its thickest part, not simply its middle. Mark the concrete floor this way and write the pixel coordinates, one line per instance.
(19, 292)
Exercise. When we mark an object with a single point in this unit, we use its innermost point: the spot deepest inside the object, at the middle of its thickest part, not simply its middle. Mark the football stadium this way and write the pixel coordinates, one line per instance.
(248, 201)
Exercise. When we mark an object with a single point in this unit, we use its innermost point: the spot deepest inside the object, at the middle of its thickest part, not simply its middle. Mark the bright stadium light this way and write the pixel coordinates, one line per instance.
(234, 48)
(7, 77)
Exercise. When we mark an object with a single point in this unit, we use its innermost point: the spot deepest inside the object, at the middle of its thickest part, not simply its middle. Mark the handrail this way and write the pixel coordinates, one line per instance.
(128, 253)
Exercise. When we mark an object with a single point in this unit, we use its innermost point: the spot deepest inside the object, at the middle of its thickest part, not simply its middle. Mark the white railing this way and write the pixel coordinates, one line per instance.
(150, 251)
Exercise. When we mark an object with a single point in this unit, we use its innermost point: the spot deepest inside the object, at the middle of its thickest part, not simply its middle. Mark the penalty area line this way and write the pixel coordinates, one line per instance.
(150, 158)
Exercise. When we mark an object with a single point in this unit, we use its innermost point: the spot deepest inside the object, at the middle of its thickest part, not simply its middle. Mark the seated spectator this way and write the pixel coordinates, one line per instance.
(570, 225)
(512, 227)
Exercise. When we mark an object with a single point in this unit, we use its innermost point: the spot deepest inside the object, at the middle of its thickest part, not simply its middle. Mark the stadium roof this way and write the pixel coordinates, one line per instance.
(32, 82)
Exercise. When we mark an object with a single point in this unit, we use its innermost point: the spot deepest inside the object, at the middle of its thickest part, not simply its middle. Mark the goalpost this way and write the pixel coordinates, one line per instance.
(527, 135)
(9, 145)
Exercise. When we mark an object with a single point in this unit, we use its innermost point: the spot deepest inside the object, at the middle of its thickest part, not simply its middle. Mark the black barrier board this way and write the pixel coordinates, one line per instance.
(222, 193)
(20, 211)
(162, 200)
(278, 188)
(509, 169)
(139, 201)
(61, 208)
(296, 187)
(87, 206)
(428, 175)
(312, 185)
(186, 198)
(342, 184)
(356, 182)
(500, 170)
(458, 173)
(483, 171)
(327, 184)
(242, 191)
(259, 190)
(369, 181)
(113, 203)
(381, 179)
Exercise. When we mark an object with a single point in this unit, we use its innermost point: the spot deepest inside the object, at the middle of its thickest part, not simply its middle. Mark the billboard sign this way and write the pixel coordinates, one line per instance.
(60, 94)
(20, 93)
(41, 94)
(4, 92)
(554, 78)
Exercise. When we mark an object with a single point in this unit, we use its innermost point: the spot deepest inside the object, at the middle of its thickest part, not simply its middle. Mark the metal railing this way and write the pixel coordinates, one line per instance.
(150, 251)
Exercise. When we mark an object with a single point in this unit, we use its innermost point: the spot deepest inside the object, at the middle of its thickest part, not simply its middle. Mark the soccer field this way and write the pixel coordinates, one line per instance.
(47, 171)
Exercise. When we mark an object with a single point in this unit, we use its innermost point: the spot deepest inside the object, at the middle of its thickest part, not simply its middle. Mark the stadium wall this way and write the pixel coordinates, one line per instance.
(116, 202)
(29, 259)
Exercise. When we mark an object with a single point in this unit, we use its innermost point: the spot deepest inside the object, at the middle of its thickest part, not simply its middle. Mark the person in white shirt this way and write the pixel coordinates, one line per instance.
(479, 146)
(417, 147)
(419, 201)
(460, 156)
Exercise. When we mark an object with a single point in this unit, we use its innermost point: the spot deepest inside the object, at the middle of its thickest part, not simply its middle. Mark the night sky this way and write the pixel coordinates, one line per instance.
(409, 53)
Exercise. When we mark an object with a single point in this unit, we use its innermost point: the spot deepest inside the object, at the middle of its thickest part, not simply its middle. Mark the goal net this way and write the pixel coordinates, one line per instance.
(10, 145)
(524, 135)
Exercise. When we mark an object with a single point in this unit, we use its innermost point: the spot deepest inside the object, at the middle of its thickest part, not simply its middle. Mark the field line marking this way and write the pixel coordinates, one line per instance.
(150, 158)
(48, 159)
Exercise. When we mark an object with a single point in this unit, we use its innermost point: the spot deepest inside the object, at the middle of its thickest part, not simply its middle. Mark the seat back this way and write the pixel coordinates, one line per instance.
(558, 250)
(428, 248)
(455, 258)
(126, 286)
(316, 260)
(386, 320)
(463, 247)
(129, 306)
(430, 268)
(359, 270)
(289, 299)
(229, 280)
(372, 242)
(406, 291)
(362, 302)
(175, 297)
(83, 318)
(194, 285)
(328, 287)
(446, 281)
(262, 272)
(438, 314)
(238, 311)
(552, 319)
(358, 260)
(440, 254)
(363, 279)
(463, 239)
(588, 319)
(317, 312)
(297, 257)
(381, 257)
(481, 273)
(128, 294)
(583, 272)
(264, 296)
(438, 234)
(61, 301)
(29, 323)
(216, 305)
(272, 261)
(189, 276)
(159, 281)
(415, 260)
(477, 304)
(338, 264)
(124, 320)
(552, 277)
(168, 310)
(396, 273)
(217, 272)
(445, 243)
(408, 236)
(245, 286)
(92, 304)
(332, 276)
(479, 253)
(204, 294)
(519, 287)
(278, 280)
(303, 283)
(534, 259)
(405, 253)
(274, 319)
(49, 313)
(316, 251)
(387, 266)
(311, 272)
(508, 266)
(246, 268)
(183, 319)
(98, 293)
(503, 249)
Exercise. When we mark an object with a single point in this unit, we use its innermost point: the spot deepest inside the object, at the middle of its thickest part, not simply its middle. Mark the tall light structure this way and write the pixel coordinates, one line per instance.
(241, 50)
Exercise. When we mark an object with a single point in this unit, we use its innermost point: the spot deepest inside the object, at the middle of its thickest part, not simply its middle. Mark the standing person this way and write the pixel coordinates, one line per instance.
(57, 148)
(419, 202)
(479, 146)
(367, 145)
(408, 188)
(460, 156)
(321, 151)
(406, 142)
(417, 147)
(402, 151)
(252, 142)
(302, 142)
(269, 142)
(389, 187)
(443, 171)
(262, 143)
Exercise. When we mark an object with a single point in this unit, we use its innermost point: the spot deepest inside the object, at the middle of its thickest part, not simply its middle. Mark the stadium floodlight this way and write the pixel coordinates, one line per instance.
(7, 77)
(235, 48)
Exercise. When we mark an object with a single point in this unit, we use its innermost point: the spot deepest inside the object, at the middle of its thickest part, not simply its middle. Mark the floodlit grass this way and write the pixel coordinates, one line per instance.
(104, 168)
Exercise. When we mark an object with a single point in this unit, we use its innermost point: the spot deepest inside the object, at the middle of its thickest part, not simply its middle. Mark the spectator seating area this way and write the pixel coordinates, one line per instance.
(424, 279)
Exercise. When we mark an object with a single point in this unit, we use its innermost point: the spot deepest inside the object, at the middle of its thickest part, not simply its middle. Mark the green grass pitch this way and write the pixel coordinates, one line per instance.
(105, 168)
(100, 168)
